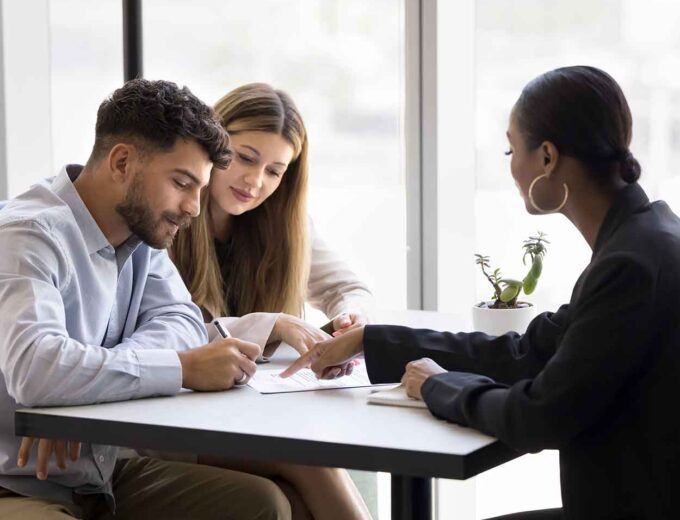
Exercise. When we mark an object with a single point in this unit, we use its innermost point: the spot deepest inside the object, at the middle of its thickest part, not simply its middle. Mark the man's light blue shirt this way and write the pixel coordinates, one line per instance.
(81, 323)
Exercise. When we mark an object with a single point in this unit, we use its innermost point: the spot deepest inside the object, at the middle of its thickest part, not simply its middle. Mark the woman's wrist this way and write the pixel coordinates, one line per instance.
(275, 334)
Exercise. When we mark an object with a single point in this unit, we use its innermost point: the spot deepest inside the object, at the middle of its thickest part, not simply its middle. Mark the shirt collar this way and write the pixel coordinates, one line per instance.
(631, 199)
(92, 234)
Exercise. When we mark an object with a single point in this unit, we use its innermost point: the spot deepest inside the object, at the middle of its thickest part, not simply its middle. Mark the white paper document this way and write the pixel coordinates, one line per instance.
(267, 381)
(395, 396)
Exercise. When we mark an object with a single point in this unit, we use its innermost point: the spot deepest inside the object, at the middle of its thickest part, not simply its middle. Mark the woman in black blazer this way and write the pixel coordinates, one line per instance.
(598, 379)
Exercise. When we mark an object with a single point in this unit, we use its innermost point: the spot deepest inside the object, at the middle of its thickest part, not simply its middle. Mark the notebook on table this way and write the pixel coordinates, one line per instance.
(395, 396)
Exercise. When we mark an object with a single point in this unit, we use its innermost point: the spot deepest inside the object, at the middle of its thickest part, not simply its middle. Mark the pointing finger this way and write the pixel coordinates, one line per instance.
(301, 362)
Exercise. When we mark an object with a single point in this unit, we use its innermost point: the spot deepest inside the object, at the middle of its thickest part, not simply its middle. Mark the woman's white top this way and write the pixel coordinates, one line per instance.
(333, 288)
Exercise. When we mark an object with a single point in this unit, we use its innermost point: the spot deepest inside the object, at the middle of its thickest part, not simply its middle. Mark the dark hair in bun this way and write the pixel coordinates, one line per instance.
(630, 167)
(583, 112)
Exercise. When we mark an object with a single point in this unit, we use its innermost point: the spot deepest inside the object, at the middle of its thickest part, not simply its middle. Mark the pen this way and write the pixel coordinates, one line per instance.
(225, 334)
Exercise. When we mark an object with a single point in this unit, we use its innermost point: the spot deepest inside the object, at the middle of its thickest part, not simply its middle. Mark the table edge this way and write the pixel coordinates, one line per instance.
(264, 447)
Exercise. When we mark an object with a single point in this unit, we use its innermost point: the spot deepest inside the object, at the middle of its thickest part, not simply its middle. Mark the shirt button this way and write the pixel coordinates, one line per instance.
(101, 459)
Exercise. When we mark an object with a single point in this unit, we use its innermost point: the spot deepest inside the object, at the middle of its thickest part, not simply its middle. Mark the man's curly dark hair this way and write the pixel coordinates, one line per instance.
(153, 115)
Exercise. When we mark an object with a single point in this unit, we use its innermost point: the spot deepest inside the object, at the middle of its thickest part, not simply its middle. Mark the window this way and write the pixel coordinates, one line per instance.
(341, 61)
(86, 65)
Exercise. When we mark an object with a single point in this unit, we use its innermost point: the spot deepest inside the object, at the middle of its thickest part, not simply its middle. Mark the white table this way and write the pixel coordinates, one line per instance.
(326, 428)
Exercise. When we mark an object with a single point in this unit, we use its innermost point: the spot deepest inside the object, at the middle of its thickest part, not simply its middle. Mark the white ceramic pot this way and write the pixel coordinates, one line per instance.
(499, 321)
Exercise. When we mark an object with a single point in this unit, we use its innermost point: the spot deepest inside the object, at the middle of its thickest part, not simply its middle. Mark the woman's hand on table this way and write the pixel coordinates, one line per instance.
(45, 449)
(297, 333)
(331, 358)
(417, 373)
(347, 321)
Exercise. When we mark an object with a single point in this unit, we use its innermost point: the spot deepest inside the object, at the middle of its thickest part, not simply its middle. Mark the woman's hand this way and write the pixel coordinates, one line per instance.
(347, 321)
(332, 358)
(297, 333)
(417, 373)
(45, 449)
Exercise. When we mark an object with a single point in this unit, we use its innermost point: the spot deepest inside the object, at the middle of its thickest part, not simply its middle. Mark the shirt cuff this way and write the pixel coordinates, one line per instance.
(446, 394)
(160, 372)
(384, 362)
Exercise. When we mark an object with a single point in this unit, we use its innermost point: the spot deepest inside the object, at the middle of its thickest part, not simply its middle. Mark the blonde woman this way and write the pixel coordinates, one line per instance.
(253, 256)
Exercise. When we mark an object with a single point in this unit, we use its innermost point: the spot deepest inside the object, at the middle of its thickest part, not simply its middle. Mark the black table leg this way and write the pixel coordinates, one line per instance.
(411, 498)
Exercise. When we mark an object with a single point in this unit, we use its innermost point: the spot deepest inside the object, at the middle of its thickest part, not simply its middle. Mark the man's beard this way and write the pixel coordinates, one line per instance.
(142, 222)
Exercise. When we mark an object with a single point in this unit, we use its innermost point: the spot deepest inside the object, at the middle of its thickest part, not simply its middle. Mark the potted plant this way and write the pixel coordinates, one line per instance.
(505, 312)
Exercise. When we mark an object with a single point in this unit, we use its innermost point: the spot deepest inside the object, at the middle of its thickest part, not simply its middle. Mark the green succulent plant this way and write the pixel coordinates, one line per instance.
(506, 290)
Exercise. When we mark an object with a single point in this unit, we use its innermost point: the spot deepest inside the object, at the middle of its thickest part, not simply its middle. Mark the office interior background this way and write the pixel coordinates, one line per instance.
(406, 103)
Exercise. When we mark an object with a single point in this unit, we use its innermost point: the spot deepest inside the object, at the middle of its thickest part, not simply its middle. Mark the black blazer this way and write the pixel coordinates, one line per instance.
(598, 379)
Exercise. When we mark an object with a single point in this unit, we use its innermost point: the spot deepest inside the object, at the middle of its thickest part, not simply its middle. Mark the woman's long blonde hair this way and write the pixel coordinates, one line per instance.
(267, 266)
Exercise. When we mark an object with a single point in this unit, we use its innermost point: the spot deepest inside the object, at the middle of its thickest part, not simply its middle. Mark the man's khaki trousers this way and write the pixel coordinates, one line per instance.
(147, 488)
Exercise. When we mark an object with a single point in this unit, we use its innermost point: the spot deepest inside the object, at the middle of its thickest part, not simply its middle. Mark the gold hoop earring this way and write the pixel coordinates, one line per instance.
(539, 208)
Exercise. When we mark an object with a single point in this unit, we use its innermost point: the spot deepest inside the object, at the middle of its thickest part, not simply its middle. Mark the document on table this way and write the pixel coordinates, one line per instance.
(267, 381)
